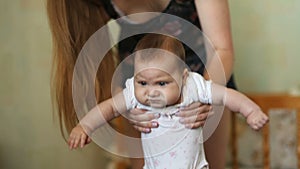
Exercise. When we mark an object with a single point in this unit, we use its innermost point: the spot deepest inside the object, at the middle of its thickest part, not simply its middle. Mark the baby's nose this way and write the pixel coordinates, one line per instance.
(153, 93)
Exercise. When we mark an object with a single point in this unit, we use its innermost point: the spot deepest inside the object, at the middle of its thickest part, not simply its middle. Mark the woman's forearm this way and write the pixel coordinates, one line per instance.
(215, 22)
(220, 67)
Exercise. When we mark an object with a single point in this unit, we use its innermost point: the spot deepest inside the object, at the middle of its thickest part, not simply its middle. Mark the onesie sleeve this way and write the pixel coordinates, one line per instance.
(203, 88)
(128, 93)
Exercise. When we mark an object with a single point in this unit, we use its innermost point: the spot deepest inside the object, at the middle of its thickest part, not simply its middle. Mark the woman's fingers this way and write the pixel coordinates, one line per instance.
(197, 121)
(142, 129)
(192, 116)
(145, 127)
(192, 106)
(141, 120)
(195, 115)
(195, 118)
(150, 124)
(138, 115)
(191, 110)
(194, 125)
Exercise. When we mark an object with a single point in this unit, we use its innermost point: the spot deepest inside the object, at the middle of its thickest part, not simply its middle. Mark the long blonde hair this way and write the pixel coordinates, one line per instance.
(72, 22)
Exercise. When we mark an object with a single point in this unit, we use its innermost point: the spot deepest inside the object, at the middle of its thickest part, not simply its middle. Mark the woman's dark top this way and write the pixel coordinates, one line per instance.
(184, 9)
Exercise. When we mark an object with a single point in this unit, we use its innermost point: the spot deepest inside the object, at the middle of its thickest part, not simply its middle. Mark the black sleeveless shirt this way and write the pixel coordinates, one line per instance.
(184, 9)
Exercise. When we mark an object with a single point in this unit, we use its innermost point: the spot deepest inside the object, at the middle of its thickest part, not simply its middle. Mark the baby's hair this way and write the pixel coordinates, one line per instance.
(160, 41)
(159, 45)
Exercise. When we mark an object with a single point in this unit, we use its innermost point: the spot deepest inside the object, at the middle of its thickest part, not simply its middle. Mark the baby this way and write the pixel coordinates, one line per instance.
(162, 84)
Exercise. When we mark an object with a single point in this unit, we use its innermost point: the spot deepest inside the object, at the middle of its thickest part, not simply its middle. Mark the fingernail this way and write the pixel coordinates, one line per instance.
(157, 115)
(154, 124)
(147, 130)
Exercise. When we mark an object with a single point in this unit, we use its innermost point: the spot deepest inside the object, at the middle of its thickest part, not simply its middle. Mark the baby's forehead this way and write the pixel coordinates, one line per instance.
(156, 66)
(159, 58)
(153, 56)
(153, 72)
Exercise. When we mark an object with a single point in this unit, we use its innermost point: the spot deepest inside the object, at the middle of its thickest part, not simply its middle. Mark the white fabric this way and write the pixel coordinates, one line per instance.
(171, 145)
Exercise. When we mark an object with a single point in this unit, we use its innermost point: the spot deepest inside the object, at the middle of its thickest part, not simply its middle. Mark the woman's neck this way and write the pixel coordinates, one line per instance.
(129, 7)
(136, 6)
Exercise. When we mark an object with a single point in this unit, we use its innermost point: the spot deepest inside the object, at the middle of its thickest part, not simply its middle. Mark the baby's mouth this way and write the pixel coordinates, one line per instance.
(157, 102)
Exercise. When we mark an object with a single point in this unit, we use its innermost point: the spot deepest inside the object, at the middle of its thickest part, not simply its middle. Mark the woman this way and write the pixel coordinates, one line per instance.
(74, 21)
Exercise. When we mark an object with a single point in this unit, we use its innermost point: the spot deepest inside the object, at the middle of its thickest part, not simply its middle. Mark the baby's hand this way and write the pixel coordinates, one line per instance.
(78, 137)
(257, 119)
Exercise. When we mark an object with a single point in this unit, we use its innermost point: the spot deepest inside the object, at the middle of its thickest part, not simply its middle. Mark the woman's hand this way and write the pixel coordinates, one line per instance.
(194, 115)
(78, 137)
(141, 120)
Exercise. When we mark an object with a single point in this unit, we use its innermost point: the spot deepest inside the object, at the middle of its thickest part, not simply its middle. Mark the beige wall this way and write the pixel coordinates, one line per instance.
(266, 35)
(266, 39)
(29, 137)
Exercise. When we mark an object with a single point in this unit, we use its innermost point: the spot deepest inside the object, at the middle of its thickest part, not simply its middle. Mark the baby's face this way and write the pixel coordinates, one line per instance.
(158, 83)
(156, 88)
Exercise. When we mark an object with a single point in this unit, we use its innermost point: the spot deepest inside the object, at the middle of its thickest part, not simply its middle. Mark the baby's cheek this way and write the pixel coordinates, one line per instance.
(139, 95)
(174, 97)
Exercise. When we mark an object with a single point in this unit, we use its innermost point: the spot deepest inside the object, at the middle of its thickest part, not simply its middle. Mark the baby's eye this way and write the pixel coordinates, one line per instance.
(143, 83)
(162, 83)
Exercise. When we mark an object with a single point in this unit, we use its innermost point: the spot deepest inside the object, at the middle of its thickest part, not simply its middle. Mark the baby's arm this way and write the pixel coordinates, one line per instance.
(238, 102)
(99, 115)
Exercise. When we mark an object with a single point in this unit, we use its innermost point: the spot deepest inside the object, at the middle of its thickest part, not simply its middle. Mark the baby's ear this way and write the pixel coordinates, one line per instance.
(185, 74)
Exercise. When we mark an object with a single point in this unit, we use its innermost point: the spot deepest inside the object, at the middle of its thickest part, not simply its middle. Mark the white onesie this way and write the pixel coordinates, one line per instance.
(171, 145)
